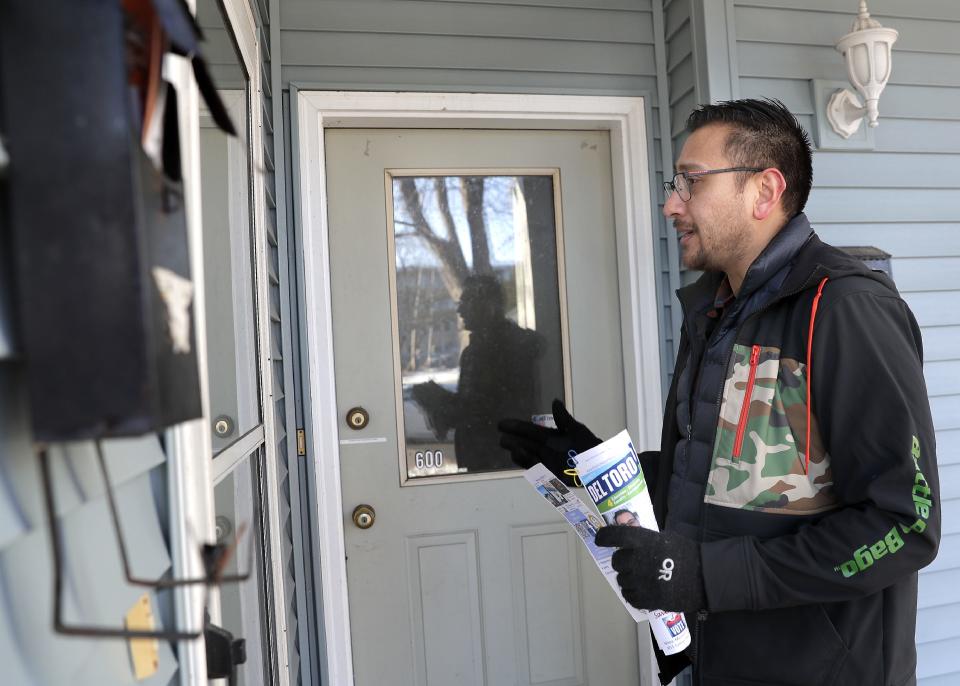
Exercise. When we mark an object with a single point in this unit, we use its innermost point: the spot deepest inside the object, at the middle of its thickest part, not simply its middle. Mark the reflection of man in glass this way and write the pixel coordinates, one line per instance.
(498, 378)
(626, 517)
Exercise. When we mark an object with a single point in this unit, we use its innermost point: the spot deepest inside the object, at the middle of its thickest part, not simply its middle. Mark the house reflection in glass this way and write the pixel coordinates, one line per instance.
(478, 313)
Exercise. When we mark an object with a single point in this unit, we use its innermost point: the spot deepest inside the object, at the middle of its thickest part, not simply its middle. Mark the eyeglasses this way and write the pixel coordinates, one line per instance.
(682, 181)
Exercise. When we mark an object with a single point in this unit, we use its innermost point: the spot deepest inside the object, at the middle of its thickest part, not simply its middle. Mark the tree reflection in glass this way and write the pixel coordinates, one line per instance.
(478, 314)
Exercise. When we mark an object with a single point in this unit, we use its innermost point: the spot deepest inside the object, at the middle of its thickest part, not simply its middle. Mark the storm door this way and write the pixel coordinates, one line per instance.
(233, 256)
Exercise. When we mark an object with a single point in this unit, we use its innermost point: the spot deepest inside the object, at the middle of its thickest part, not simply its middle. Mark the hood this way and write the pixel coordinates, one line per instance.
(817, 260)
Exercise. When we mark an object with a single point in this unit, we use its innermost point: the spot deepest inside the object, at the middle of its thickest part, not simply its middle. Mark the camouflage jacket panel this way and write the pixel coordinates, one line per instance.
(759, 453)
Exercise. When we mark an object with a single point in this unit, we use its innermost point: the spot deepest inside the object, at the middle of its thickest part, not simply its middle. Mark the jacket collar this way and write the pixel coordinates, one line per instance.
(783, 248)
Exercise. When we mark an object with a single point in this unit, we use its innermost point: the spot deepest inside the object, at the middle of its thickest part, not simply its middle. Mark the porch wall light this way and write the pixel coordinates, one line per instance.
(866, 50)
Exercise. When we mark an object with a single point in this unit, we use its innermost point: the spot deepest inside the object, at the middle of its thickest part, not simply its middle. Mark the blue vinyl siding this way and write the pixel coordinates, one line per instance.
(582, 47)
(684, 95)
(279, 334)
(681, 66)
(469, 46)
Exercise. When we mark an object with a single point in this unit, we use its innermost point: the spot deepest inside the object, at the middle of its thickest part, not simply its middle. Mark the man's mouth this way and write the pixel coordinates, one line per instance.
(684, 234)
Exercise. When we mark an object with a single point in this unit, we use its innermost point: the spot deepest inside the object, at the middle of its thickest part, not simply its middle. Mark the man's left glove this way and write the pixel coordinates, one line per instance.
(656, 571)
(529, 444)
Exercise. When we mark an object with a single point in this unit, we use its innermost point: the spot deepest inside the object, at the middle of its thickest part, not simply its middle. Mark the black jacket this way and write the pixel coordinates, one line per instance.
(810, 564)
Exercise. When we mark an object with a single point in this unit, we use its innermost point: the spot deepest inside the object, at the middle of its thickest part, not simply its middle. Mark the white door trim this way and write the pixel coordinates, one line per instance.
(633, 212)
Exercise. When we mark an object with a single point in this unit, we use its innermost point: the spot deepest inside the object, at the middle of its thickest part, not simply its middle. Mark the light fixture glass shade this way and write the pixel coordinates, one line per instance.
(867, 51)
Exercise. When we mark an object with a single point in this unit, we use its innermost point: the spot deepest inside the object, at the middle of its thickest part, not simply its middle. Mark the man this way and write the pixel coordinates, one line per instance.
(796, 482)
(499, 375)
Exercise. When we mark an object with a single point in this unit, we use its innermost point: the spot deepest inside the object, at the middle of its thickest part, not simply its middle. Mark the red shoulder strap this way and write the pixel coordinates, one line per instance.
(813, 316)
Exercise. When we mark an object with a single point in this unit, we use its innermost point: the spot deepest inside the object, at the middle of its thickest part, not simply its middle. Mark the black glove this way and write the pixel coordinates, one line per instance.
(668, 666)
(656, 571)
(650, 465)
(529, 444)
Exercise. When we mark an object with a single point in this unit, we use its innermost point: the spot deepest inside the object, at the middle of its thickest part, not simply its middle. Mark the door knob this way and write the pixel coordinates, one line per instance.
(364, 516)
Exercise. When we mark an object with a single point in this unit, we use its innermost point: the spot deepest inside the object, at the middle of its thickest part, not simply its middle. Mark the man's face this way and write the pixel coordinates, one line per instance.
(467, 309)
(474, 310)
(626, 518)
(714, 223)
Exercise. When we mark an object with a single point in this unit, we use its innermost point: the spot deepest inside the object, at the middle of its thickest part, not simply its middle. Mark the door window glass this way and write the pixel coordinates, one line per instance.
(237, 501)
(229, 276)
(479, 322)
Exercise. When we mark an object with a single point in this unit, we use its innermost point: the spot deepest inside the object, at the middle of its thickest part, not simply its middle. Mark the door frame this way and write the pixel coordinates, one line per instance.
(315, 111)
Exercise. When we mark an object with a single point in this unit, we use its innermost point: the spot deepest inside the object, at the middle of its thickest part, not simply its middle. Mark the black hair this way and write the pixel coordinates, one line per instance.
(486, 288)
(764, 133)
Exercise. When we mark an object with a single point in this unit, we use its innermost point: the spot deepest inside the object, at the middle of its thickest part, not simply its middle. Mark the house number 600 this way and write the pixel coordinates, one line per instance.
(429, 458)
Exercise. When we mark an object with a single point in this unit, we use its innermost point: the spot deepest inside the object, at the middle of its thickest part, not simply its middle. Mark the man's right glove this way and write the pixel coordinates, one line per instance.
(659, 571)
(656, 570)
(529, 443)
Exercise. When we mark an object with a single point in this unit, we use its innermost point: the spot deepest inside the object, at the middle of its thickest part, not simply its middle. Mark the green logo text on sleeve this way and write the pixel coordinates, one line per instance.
(892, 541)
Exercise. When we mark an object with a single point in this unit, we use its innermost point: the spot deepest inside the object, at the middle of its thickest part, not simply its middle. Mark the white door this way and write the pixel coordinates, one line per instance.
(473, 276)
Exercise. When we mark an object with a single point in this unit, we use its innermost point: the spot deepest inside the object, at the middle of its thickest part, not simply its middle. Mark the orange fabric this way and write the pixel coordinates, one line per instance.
(745, 408)
(813, 316)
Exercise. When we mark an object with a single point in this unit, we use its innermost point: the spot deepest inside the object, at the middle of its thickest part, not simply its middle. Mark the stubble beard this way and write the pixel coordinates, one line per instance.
(696, 256)
(692, 258)
(723, 245)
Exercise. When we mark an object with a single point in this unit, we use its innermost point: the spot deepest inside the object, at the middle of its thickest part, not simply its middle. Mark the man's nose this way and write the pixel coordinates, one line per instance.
(673, 205)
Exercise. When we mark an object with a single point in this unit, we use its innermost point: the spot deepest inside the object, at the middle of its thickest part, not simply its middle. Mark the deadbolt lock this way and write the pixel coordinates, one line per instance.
(357, 418)
(223, 426)
(364, 516)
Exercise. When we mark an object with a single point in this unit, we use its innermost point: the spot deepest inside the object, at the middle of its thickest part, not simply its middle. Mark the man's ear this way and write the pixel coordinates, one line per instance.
(770, 186)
